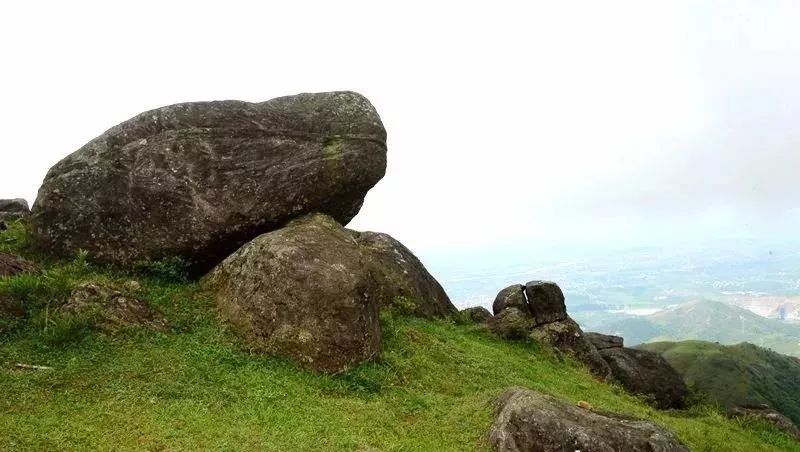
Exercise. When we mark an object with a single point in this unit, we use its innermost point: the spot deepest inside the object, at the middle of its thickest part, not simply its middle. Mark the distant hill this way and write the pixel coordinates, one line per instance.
(706, 320)
(734, 375)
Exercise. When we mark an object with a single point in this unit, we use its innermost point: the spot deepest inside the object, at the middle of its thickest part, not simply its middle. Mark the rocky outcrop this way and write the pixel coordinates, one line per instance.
(404, 282)
(510, 297)
(307, 291)
(647, 374)
(11, 265)
(198, 180)
(13, 209)
(765, 413)
(537, 311)
(604, 341)
(113, 309)
(529, 421)
(476, 314)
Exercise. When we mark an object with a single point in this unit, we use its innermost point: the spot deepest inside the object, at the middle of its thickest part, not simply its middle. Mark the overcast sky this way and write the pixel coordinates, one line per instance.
(556, 122)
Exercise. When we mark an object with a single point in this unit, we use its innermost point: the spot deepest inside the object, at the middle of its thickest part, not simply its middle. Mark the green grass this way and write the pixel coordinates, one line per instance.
(194, 388)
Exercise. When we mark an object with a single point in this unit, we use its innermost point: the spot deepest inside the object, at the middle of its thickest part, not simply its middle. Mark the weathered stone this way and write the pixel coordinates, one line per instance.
(114, 309)
(528, 421)
(546, 301)
(604, 341)
(765, 413)
(566, 336)
(307, 291)
(11, 265)
(198, 180)
(13, 209)
(404, 281)
(512, 323)
(647, 374)
(510, 297)
(476, 314)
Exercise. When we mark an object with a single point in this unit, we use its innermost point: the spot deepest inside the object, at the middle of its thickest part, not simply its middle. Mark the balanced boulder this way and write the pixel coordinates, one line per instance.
(546, 301)
(512, 323)
(648, 374)
(529, 421)
(307, 291)
(198, 180)
(13, 209)
(404, 282)
(510, 297)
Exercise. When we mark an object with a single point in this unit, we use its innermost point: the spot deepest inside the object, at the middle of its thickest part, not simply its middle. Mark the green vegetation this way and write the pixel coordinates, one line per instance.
(734, 375)
(194, 388)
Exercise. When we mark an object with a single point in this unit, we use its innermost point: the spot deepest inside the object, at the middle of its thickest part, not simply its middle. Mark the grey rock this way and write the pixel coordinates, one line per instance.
(511, 296)
(546, 301)
(604, 341)
(476, 314)
(13, 209)
(648, 374)
(567, 337)
(307, 291)
(404, 281)
(765, 413)
(528, 421)
(512, 323)
(198, 180)
(11, 265)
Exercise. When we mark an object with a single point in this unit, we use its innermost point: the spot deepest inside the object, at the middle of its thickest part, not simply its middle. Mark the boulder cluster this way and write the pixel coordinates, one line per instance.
(255, 197)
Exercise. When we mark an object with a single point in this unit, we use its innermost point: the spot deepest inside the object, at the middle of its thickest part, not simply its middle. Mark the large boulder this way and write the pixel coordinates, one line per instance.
(567, 337)
(546, 301)
(512, 323)
(198, 180)
(11, 265)
(528, 421)
(647, 374)
(405, 283)
(13, 209)
(510, 297)
(307, 291)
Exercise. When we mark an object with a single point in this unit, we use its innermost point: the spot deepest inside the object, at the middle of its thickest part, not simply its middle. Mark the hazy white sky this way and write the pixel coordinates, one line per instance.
(507, 121)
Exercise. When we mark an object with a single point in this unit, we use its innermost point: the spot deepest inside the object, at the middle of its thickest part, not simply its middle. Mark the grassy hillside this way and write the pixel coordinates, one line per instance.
(734, 375)
(193, 388)
(707, 320)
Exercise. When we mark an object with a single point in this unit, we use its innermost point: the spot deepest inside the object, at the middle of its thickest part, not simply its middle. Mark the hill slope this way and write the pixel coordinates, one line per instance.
(710, 321)
(734, 375)
(193, 387)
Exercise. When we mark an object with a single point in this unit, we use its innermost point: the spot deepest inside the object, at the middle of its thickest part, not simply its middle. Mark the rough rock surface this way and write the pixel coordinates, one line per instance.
(648, 374)
(404, 280)
(476, 314)
(546, 301)
(114, 309)
(528, 421)
(11, 265)
(512, 323)
(511, 296)
(198, 180)
(307, 291)
(766, 413)
(604, 341)
(13, 209)
(566, 336)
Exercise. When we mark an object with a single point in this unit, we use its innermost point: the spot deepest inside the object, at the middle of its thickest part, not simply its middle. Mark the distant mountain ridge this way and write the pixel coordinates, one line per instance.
(706, 320)
(736, 375)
